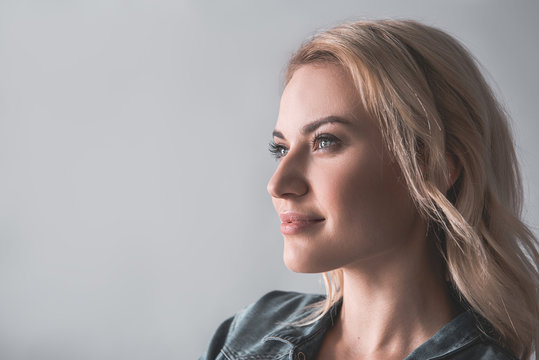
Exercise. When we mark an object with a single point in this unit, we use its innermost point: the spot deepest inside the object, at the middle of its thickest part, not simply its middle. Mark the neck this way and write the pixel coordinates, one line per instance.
(394, 303)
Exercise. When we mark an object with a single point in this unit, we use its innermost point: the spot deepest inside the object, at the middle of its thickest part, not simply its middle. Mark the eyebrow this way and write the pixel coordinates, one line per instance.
(309, 128)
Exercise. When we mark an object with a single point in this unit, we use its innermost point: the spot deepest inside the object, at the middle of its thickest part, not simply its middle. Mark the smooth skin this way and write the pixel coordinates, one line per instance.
(335, 167)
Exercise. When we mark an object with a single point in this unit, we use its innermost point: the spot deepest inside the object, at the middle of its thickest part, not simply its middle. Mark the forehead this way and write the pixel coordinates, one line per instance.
(316, 91)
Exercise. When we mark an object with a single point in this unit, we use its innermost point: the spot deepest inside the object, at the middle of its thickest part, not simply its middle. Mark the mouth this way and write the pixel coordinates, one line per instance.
(295, 223)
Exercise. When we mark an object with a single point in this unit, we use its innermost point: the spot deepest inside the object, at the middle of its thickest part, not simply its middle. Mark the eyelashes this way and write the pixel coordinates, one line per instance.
(277, 150)
(320, 142)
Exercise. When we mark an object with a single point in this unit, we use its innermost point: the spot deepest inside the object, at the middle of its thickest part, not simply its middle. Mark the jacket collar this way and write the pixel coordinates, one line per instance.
(454, 336)
(297, 335)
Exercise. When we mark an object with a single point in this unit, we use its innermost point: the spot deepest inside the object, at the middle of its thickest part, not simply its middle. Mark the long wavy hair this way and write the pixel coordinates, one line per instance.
(432, 103)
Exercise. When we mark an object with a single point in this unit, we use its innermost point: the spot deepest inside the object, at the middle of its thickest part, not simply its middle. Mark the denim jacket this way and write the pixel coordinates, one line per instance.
(263, 331)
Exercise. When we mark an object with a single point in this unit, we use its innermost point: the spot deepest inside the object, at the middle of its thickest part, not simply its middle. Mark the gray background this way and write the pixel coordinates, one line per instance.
(133, 159)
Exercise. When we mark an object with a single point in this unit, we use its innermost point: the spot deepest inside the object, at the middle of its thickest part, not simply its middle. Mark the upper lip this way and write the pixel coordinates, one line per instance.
(289, 217)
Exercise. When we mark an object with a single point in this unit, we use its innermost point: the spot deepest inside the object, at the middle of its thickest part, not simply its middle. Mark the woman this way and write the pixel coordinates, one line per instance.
(398, 180)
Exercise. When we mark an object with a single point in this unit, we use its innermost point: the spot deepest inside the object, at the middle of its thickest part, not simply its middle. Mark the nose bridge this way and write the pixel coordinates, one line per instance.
(289, 179)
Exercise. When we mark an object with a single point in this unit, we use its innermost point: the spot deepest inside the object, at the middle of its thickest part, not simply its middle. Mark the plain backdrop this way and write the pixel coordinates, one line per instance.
(134, 216)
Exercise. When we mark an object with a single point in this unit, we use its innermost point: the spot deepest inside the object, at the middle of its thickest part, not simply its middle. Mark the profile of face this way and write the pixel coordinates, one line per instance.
(340, 196)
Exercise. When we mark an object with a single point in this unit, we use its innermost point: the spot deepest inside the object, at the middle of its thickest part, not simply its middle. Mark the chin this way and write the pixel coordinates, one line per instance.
(300, 261)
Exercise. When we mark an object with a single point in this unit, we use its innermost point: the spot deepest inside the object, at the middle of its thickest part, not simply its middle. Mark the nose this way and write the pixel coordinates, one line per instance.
(289, 179)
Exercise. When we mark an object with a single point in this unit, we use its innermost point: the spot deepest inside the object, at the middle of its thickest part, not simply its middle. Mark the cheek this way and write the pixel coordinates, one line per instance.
(359, 197)
(368, 202)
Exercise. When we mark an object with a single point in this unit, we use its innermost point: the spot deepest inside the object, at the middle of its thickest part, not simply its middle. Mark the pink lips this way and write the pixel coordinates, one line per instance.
(294, 223)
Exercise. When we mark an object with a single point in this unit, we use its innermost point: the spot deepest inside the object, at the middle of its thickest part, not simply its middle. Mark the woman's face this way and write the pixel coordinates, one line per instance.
(340, 197)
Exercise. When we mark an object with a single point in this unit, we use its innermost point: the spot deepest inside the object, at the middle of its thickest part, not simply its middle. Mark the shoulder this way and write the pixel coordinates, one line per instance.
(272, 311)
(277, 306)
(249, 327)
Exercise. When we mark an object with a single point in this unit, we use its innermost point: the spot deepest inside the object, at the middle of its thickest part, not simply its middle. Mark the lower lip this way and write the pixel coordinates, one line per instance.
(296, 227)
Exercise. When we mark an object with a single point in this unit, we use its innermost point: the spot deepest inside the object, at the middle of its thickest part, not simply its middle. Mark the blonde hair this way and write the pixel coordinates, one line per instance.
(433, 103)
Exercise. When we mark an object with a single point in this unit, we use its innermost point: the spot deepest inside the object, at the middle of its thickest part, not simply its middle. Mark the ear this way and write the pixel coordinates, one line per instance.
(453, 171)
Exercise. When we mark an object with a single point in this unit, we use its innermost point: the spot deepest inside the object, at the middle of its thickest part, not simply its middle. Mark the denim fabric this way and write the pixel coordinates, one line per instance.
(263, 331)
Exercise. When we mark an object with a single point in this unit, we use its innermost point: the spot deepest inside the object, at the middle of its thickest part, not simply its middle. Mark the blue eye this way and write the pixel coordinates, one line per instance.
(324, 142)
(277, 151)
